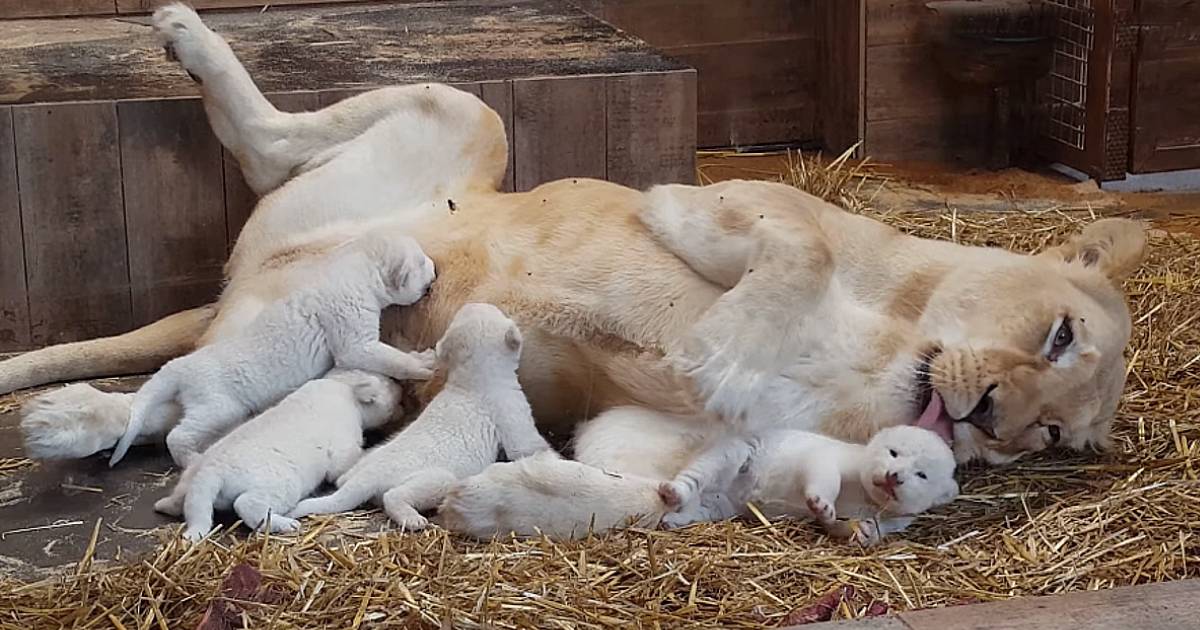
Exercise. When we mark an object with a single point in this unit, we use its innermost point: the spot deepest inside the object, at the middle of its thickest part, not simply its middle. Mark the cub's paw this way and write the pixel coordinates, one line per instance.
(411, 523)
(821, 509)
(171, 506)
(187, 40)
(194, 535)
(278, 524)
(675, 494)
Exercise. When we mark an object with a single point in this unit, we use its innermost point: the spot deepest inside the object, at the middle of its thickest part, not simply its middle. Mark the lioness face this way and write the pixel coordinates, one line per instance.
(1029, 354)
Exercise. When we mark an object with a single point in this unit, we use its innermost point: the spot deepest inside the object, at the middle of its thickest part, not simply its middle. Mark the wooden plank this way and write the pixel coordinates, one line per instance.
(239, 199)
(1162, 606)
(498, 96)
(73, 220)
(1166, 113)
(735, 80)
(946, 140)
(147, 6)
(558, 129)
(14, 303)
(664, 23)
(652, 129)
(841, 100)
(54, 8)
(893, 22)
(905, 82)
(174, 206)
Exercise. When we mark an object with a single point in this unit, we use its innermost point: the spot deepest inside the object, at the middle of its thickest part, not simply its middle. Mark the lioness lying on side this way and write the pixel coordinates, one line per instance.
(737, 299)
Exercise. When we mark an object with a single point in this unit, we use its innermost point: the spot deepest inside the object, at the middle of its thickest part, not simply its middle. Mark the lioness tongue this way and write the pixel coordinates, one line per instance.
(934, 419)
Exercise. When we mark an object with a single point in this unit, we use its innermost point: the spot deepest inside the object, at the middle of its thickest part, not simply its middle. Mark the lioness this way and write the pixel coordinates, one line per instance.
(730, 300)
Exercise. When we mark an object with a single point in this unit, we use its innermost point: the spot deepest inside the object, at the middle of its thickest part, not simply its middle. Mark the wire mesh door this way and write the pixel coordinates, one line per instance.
(1083, 104)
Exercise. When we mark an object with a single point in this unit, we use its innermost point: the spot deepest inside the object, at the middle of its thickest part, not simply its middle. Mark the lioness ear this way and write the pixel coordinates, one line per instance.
(1116, 247)
(512, 338)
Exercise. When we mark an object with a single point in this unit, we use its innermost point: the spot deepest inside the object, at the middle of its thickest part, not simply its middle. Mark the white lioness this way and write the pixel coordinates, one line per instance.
(333, 321)
(480, 410)
(772, 301)
(264, 467)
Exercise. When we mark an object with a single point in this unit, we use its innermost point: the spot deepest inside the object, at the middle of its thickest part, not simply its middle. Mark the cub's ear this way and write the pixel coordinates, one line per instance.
(512, 338)
(366, 392)
(1115, 247)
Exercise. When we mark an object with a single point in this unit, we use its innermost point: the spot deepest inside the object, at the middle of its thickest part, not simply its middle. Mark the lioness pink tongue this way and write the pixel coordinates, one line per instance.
(934, 419)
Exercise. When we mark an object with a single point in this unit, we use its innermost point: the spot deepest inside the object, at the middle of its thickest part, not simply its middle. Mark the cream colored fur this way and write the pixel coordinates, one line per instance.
(480, 410)
(771, 302)
(264, 467)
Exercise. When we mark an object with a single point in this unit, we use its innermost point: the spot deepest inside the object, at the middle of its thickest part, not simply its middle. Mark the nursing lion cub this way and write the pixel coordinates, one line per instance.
(740, 302)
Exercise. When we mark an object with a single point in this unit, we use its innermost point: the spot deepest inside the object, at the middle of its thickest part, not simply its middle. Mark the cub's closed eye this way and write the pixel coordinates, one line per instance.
(893, 452)
(922, 475)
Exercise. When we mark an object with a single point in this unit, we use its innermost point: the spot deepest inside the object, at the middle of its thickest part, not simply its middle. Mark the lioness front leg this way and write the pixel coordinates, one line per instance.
(770, 250)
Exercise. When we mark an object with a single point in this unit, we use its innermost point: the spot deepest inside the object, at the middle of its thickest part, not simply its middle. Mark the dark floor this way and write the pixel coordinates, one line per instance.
(48, 511)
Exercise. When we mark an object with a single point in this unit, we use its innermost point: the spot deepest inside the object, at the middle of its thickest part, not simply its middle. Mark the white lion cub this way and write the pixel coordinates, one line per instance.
(332, 322)
(901, 472)
(265, 466)
(480, 410)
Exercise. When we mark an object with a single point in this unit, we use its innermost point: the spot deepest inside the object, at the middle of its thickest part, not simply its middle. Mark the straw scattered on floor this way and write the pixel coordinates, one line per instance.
(1049, 524)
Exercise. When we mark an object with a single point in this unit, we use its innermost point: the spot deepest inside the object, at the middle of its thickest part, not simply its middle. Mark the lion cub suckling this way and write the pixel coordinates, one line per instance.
(264, 467)
(334, 321)
(480, 410)
(902, 471)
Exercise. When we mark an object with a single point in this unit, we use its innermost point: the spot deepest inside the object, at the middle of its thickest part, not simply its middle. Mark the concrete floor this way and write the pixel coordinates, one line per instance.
(49, 511)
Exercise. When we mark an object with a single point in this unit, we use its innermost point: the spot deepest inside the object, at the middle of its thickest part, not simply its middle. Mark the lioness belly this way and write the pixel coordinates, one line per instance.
(598, 299)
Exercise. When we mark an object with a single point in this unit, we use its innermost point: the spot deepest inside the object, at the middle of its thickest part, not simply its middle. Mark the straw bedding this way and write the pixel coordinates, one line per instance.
(1049, 524)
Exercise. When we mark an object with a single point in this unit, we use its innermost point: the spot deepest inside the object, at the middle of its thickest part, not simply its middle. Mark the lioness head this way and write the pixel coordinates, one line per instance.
(1026, 352)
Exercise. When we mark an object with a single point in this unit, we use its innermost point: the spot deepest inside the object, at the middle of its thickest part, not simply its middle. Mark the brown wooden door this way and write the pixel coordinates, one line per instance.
(1166, 103)
(1084, 103)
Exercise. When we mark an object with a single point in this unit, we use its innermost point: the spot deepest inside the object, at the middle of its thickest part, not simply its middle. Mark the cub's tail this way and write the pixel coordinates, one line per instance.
(545, 494)
(150, 399)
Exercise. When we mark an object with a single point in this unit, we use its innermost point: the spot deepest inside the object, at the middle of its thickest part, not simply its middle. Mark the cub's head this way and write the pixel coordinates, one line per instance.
(378, 396)
(481, 337)
(1025, 352)
(909, 470)
(408, 274)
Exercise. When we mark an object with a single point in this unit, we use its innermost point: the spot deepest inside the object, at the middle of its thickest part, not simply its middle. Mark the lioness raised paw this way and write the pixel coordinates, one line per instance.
(188, 41)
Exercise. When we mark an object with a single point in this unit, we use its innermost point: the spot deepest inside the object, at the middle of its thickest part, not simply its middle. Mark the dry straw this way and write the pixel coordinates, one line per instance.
(1052, 523)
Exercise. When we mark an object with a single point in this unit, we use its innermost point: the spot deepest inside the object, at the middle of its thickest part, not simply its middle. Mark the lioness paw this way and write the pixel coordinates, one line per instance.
(674, 494)
(864, 533)
(187, 40)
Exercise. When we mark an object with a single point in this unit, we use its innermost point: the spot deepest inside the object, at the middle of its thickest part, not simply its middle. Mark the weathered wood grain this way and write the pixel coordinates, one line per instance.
(73, 220)
(239, 199)
(55, 8)
(558, 129)
(652, 129)
(174, 207)
(499, 96)
(14, 305)
(841, 99)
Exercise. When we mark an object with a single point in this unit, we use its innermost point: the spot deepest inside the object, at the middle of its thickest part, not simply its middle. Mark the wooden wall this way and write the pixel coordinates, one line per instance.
(1166, 101)
(60, 8)
(757, 61)
(115, 213)
(912, 110)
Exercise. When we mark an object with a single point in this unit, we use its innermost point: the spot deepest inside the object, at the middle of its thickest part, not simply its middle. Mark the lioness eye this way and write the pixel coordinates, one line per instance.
(893, 452)
(1062, 338)
(922, 475)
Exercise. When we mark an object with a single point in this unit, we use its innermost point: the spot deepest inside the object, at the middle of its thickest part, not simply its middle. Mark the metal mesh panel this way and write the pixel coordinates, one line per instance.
(1062, 94)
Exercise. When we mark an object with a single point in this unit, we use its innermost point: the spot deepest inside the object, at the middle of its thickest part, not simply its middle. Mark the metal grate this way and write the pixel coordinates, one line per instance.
(1063, 93)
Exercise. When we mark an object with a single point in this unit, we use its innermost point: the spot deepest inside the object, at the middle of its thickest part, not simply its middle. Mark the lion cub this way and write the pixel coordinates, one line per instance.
(265, 466)
(480, 410)
(902, 471)
(332, 322)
